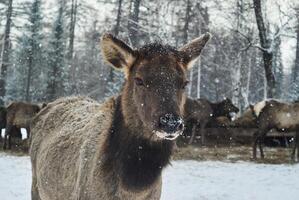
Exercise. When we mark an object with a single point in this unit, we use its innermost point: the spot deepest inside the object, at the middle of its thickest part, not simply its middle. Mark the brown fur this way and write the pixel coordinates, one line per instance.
(276, 115)
(2, 117)
(224, 109)
(219, 122)
(246, 120)
(19, 115)
(202, 113)
(198, 112)
(117, 150)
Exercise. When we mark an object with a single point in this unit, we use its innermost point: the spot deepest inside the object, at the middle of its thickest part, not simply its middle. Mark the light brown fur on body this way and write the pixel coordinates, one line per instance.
(275, 115)
(78, 127)
(65, 151)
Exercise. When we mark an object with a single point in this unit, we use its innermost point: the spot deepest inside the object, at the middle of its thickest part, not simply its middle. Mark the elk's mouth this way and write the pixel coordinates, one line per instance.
(167, 136)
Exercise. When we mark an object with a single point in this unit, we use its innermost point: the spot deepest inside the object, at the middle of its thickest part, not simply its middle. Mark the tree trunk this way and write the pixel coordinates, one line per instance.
(185, 40)
(118, 18)
(266, 49)
(133, 22)
(247, 92)
(5, 51)
(296, 67)
(72, 29)
(70, 54)
(116, 32)
(187, 19)
(198, 78)
(28, 84)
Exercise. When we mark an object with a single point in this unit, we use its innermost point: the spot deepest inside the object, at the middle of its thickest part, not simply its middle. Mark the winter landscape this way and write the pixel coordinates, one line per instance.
(100, 99)
(190, 180)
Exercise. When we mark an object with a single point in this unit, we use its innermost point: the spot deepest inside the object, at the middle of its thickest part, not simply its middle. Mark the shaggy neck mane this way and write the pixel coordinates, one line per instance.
(137, 161)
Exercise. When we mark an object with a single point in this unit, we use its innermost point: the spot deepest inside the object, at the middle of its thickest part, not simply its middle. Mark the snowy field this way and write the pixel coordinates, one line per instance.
(187, 180)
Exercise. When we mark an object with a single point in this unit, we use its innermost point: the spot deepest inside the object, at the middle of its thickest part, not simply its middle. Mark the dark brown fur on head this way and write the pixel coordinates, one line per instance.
(155, 80)
(2, 117)
(149, 110)
(224, 108)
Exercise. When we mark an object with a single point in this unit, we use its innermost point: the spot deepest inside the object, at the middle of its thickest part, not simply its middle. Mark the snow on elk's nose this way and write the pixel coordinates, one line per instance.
(172, 125)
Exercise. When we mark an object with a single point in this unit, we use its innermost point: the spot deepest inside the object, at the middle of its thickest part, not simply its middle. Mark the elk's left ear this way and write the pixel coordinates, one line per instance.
(117, 53)
(192, 50)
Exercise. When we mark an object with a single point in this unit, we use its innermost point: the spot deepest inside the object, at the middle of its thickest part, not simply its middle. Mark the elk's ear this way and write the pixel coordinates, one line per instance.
(116, 52)
(192, 50)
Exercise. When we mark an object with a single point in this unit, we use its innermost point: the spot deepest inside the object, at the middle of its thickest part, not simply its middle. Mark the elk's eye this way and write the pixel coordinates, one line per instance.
(139, 82)
(185, 84)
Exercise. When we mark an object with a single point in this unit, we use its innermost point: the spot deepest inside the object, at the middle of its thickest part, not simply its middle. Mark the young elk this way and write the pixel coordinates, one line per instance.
(19, 115)
(200, 112)
(224, 108)
(117, 150)
(277, 115)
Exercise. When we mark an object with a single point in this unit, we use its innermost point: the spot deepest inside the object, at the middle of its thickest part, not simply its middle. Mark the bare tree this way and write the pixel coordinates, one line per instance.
(73, 16)
(70, 53)
(296, 67)
(265, 47)
(133, 21)
(5, 50)
(185, 39)
(118, 18)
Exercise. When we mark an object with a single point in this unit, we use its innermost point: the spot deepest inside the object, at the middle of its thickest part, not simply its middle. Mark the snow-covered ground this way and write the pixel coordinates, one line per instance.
(15, 177)
(191, 180)
(185, 180)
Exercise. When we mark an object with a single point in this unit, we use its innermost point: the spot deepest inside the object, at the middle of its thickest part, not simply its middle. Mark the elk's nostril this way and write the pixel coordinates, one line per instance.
(163, 120)
(181, 126)
(171, 123)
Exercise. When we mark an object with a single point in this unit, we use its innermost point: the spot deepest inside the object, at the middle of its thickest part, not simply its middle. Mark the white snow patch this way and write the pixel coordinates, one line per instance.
(188, 180)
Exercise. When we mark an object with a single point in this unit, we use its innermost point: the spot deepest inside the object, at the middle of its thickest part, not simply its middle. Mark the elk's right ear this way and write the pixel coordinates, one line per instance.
(192, 50)
(116, 52)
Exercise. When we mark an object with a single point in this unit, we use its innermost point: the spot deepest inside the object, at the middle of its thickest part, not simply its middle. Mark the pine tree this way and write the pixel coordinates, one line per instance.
(6, 49)
(56, 84)
(25, 80)
(278, 68)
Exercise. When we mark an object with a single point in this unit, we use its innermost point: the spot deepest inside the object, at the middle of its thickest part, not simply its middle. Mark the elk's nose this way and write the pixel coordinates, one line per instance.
(171, 123)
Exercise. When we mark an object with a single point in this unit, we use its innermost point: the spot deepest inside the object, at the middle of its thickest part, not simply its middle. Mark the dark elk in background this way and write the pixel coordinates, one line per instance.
(201, 112)
(19, 115)
(15, 132)
(2, 119)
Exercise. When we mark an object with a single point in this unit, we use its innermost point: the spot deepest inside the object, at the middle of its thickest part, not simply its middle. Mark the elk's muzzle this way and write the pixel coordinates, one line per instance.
(171, 126)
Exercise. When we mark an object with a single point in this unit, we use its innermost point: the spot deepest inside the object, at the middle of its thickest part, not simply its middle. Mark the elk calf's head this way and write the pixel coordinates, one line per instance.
(229, 107)
(156, 76)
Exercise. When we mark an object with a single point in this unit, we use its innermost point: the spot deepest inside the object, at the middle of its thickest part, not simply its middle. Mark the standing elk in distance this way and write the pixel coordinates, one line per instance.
(200, 112)
(19, 115)
(272, 114)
